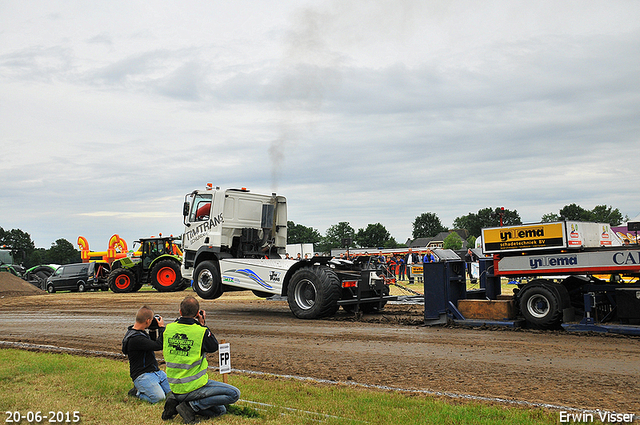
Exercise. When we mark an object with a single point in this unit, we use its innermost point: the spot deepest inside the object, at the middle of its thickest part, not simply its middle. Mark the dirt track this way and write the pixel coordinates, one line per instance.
(392, 349)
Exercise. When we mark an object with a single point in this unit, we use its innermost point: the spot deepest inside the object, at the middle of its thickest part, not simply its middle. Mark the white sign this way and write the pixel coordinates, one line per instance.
(225, 358)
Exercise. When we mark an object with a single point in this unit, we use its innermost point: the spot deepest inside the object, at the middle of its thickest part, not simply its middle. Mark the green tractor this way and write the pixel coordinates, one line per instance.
(157, 263)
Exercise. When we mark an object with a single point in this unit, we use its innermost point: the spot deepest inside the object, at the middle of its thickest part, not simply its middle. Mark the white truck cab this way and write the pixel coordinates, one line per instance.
(236, 240)
(234, 223)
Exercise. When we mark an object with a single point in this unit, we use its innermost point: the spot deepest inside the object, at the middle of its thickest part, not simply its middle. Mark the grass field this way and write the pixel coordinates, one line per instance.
(57, 385)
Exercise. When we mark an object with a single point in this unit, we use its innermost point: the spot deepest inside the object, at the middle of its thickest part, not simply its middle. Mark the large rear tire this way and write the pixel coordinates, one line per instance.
(314, 292)
(206, 280)
(121, 281)
(166, 276)
(542, 306)
(186, 283)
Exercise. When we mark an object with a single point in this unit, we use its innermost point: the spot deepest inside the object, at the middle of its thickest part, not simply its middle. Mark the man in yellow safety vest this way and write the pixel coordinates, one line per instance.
(186, 342)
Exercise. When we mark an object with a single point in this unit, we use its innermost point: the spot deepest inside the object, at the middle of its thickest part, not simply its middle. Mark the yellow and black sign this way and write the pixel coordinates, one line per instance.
(415, 270)
(512, 238)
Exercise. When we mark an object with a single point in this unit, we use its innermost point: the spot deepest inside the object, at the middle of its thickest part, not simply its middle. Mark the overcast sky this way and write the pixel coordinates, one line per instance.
(358, 111)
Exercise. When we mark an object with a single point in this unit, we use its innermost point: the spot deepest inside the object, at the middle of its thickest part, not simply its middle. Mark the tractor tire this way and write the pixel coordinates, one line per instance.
(166, 276)
(206, 281)
(541, 306)
(186, 283)
(314, 292)
(121, 281)
(43, 272)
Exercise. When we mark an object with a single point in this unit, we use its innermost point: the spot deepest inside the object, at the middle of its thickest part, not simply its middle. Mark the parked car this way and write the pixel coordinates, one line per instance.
(79, 277)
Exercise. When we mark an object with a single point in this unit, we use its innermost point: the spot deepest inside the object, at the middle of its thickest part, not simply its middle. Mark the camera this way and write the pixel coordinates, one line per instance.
(153, 328)
(154, 323)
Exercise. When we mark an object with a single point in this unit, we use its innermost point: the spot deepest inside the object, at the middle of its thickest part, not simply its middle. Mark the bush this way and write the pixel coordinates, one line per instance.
(453, 241)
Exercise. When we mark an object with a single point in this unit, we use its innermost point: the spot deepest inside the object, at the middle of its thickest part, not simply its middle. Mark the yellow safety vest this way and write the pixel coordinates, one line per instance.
(186, 364)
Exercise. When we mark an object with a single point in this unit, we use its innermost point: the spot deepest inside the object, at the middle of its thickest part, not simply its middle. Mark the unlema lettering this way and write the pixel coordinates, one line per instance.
(522, 234)
(567, 260)
(180, 344)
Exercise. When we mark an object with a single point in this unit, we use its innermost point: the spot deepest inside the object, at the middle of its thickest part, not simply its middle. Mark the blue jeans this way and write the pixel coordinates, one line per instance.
(209, 400)
(152, 386)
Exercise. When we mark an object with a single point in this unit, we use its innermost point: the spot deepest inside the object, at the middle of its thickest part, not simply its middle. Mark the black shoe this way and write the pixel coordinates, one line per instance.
(212, 412)
(187, 413)
(133, 392)
(170, 410)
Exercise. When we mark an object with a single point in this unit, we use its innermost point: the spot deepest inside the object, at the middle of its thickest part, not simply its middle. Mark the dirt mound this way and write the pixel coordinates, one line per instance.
(12, 286)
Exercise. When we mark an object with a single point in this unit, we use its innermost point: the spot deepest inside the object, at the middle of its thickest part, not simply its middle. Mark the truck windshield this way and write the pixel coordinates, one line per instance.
(200, 207)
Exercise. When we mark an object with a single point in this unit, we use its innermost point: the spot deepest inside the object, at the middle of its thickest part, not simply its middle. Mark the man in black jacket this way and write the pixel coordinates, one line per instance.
(410, 259)
(150, 383)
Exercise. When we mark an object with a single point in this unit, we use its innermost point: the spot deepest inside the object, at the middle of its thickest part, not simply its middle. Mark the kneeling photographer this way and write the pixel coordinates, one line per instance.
(186, 344)
(150, 383)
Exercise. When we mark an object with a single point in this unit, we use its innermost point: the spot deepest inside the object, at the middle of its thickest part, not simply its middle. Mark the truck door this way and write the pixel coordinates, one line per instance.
(199, 214)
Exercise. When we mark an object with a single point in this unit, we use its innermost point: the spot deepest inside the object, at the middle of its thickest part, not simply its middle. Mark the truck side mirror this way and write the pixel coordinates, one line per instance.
(185, 209)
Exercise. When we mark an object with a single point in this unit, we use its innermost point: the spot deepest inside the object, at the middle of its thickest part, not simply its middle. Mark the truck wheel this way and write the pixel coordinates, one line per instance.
(121, 281)
(206, 282)
(541, 307)
(166, 276)
(81, 287)
(314, 292)
(51, 289)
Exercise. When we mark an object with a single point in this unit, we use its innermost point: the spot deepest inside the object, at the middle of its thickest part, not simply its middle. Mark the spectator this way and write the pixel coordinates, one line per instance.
(392, 265)
(401, 268)
(469, 258)
(410, 260)
(429, 257)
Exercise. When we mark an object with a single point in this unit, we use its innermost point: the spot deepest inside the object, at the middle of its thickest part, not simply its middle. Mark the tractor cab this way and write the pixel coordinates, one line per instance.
(156, 261)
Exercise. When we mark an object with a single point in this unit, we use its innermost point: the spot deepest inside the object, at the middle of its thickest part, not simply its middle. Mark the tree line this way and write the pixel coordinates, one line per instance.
(342, 234)
(24, 250)
(428, 225)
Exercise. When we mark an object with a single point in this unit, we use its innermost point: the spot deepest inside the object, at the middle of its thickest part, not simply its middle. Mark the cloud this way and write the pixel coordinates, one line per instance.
(36, 63)
(103, 38)
(359, 112)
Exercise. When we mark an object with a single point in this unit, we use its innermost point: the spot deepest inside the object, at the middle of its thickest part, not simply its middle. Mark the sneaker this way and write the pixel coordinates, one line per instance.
(133, 392)
(187, 413)
(170, 410)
